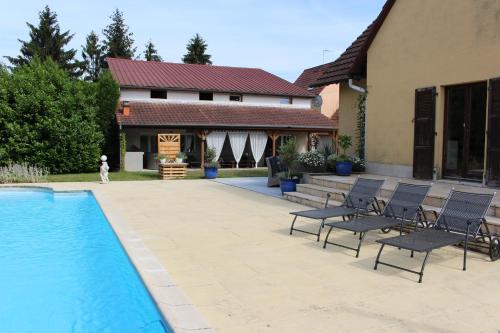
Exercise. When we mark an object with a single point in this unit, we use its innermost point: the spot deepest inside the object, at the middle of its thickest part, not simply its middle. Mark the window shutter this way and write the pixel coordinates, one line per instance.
(493, 147)
(424, 133)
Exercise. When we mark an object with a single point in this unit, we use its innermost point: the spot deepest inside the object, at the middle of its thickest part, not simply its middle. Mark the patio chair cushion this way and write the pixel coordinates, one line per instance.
(324, 213)
(424, 241)
(366, 223)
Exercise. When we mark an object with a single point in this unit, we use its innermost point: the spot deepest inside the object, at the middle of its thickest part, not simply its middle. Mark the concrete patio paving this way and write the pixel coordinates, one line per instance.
(230, 251)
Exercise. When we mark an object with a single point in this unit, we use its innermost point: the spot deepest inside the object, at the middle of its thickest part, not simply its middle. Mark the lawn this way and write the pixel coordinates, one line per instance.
(152, 175)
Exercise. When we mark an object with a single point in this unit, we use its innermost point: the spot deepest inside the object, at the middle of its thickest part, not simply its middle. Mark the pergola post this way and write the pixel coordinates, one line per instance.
(274, 136)
(334, 141)
(203, 136)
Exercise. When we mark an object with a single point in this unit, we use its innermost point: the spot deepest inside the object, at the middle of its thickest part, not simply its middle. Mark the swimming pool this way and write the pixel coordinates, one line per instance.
(62, 268)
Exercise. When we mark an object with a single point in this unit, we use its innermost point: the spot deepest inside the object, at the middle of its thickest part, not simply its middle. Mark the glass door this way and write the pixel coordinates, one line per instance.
(465, 125)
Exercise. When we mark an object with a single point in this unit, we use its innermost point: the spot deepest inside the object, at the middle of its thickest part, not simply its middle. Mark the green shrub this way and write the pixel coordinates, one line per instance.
(331, 161)
(311, 159)
(48, 120)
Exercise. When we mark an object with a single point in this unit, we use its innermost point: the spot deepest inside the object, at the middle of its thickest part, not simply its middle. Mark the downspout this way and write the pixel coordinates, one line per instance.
(360, 90)
(356, 88)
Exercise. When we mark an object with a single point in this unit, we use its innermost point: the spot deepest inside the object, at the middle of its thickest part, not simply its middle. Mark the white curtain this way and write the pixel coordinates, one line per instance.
(258, 141)
(237, 140)
(216, 140)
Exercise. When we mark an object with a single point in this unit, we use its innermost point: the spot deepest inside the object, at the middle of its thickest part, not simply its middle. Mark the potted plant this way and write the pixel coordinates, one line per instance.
(162, 158)
(180, 157)
(343, 163)
(288, 156)
(211, 165)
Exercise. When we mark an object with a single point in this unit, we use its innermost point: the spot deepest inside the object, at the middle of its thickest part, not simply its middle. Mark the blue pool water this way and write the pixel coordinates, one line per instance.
(62, 269)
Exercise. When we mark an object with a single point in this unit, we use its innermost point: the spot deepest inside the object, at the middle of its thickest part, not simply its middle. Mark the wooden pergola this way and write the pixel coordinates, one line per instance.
(273, 135)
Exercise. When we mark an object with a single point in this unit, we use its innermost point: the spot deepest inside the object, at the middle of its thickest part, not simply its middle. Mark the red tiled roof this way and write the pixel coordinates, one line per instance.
(310, 76)
(352, 63)
(207, 115)
(152, 74)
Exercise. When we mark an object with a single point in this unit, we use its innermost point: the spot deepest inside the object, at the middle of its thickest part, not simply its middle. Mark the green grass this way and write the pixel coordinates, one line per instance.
(152, 175)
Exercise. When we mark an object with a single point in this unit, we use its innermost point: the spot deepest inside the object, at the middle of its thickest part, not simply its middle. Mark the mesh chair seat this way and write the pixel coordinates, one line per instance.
(366, 224)
(325, 213)
(424, 241)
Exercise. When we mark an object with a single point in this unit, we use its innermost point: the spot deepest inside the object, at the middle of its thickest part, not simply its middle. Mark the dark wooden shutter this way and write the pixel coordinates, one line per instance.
(424, 133)
(493, 147)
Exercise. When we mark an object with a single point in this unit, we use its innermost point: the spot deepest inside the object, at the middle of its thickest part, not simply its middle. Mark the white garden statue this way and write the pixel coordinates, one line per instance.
(104, 170)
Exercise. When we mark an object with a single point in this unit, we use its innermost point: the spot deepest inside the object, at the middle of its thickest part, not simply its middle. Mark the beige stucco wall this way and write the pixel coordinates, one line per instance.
(348, 111)
(422, 44)
(330, 96)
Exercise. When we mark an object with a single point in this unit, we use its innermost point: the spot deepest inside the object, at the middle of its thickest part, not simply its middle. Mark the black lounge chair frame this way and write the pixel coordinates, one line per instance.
(465, 213)
(403, 208)
(356, 202)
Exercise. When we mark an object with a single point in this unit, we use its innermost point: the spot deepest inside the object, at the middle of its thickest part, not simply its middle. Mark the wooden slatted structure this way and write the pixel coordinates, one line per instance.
(169, 145)
(173, 170)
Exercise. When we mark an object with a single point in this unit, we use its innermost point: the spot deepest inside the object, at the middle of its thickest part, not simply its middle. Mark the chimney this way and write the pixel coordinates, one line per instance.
(126, 108)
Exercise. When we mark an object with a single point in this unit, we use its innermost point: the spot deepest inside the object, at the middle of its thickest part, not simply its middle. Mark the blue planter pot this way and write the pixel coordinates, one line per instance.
(210, 173)
(343, 168)
(288, 185)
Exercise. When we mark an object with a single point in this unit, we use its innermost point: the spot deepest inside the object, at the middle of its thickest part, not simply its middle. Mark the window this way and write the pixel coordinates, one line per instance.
(236, 98)
(285, 100)
(162, 94)
(206, 96)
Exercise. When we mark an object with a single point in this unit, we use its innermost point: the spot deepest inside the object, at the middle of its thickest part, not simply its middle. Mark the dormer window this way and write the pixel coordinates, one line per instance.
(161, 94)
(285, 100)
(206, 96)
(236, 98)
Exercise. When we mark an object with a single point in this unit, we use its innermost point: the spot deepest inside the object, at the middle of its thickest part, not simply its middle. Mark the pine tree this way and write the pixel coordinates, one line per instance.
(92, 54)
(47, 42)
(151, 53)
(118, 41)
(196, 48)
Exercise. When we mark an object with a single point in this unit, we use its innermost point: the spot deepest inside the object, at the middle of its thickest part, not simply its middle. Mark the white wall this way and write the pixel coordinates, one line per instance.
(261, 99)
(131, 94)
(302, 102)
(176, 95)
(183, 95)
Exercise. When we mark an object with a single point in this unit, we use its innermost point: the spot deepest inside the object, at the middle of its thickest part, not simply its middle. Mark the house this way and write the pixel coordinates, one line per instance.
(245, 114)
(326, 98)
(433, 103)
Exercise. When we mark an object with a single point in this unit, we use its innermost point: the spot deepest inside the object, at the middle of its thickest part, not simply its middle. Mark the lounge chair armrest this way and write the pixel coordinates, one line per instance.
(470, 221)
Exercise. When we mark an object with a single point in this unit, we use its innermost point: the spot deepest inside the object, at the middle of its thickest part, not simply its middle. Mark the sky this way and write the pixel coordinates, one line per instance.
(282, 37)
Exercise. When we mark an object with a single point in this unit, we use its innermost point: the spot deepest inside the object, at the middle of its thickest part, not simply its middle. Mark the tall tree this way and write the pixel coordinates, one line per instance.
(118, 42)
(48, 42)
(107, 95)
(151, 53)
(92, 54)
(196, 48)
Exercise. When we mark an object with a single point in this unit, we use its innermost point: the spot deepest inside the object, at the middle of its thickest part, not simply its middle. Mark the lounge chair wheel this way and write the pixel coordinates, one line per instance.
(495, 249)
(385, 230)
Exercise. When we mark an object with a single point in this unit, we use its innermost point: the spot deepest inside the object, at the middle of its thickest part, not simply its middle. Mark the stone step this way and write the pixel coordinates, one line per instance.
(309, 200)
(322, 185)
(321, 191)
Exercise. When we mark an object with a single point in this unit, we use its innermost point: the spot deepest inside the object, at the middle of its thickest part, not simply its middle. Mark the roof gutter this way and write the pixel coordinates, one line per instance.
(356, 88)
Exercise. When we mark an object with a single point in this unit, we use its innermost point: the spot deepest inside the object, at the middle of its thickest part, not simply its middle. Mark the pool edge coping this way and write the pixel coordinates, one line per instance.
(181, 314)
